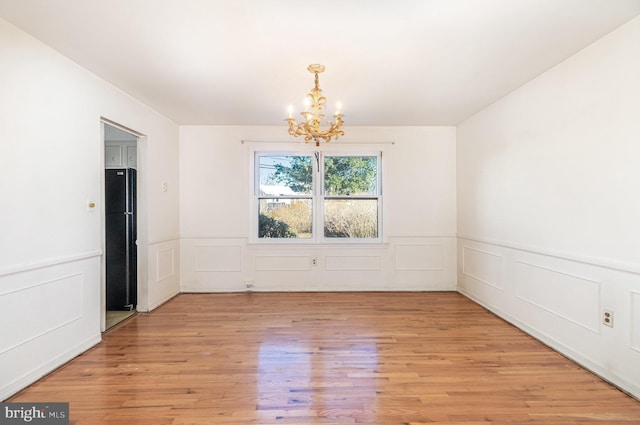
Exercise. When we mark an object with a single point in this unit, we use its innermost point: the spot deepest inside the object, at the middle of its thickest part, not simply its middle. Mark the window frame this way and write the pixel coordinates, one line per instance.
(255, 210)
(318, 196)
(378, 196)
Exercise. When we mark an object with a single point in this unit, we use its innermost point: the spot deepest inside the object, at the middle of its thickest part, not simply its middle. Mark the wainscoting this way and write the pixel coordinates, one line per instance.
(50, 313)
(560, 299)
(211, 264)
(163, 274)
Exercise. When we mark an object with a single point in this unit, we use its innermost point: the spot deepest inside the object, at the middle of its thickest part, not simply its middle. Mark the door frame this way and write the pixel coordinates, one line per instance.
(141, 220)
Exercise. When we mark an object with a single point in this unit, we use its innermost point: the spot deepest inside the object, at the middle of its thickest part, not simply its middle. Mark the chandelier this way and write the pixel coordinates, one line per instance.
(312, 116)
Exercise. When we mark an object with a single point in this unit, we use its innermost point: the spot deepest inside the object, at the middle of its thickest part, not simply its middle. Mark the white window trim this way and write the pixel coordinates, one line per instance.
(318, 238)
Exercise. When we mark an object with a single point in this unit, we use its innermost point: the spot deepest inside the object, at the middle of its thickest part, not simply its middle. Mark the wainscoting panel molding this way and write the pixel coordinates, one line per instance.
(166, 263)
(163, 275)
(558, 292)
(35, 310)
(635, 321)
(234, 264)
(49, 314)
(483, 266)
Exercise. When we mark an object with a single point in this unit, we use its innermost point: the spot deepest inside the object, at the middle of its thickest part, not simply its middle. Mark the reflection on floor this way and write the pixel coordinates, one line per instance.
(114, 317)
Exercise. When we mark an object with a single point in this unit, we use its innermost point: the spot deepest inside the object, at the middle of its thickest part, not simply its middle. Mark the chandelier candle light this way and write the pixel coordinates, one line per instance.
(312, 116)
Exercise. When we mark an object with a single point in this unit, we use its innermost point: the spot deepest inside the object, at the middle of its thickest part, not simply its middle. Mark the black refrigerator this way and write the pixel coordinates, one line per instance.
(121, 255)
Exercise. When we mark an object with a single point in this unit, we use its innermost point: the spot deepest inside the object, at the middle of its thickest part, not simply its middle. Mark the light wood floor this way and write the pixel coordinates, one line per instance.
(327, 358)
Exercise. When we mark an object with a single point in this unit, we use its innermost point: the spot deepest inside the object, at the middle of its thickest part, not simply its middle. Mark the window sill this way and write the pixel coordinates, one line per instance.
(318, 245)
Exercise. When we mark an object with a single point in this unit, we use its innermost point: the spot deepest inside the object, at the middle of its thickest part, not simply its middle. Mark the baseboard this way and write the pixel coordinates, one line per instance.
(163, 300)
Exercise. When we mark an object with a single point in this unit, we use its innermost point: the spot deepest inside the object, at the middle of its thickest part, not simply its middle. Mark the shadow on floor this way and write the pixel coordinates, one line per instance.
(116, 316)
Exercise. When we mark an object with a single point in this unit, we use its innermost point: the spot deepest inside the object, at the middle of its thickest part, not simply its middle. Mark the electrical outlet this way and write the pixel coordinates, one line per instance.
(314, 261)
(607, 318)
(249, 284)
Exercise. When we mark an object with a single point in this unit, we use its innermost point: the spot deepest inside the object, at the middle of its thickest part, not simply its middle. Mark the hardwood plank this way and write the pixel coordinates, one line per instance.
(327, 358)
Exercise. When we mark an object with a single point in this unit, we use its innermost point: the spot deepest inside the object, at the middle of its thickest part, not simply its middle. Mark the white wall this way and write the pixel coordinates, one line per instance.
(50, 245)
(549, 206)
(419, 195)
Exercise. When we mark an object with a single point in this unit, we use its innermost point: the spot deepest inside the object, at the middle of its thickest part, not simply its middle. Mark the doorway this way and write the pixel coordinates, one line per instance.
(120, 259)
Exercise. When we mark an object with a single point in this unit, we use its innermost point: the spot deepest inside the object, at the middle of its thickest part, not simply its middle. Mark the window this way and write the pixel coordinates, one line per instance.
(318, 196)
(285, 201)
(350, 196)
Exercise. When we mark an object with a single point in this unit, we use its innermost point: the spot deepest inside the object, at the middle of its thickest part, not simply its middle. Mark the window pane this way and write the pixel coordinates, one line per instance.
(351, 175)
(284, 218)
(351, 218)
(282, 175)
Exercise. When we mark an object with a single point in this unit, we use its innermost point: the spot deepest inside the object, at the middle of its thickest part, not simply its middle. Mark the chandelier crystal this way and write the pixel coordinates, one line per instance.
(310, 126)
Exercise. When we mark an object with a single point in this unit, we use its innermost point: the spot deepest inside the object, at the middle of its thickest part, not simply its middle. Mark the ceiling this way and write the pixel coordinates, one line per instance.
(390, 62)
